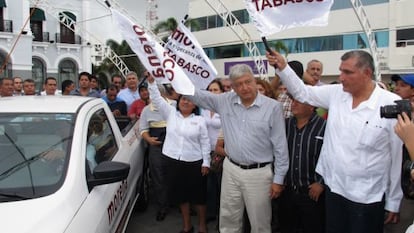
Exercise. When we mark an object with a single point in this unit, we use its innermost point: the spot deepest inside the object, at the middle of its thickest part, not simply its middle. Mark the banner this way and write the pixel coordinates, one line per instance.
(153, 56)
(273, 16)
(184, 48)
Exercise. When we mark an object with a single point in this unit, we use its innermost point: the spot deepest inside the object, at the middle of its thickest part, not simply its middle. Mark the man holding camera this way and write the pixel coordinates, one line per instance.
(404, 87)
(360, 159)
(405, 130)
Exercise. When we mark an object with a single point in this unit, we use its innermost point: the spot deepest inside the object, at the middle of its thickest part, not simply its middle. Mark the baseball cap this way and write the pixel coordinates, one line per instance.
(142, 85)
(407, 78)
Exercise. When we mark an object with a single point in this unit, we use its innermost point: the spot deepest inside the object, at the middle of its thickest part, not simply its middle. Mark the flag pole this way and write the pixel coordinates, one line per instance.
(268, 49)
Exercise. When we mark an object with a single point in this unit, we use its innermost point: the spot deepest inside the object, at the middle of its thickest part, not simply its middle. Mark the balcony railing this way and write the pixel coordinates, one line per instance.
(404, 43)
(41, 37)
(68, 39)
(6, 26)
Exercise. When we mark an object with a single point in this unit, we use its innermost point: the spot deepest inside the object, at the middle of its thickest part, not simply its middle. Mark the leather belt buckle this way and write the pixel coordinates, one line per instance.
(251, 166)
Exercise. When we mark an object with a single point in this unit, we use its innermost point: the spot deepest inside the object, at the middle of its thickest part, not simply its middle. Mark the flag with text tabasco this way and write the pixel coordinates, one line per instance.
(273, 16)
(152, 55)
(184, 48)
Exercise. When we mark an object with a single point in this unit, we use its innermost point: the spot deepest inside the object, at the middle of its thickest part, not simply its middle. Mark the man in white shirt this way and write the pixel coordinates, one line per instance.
(50, 86)
(313, 73)
(361, 158)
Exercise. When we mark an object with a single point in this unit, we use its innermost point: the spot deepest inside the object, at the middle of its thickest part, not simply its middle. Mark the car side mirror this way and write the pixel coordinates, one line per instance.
(108, 172)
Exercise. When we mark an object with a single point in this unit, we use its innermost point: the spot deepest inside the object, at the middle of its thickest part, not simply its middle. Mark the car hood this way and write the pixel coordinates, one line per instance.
(42, 215)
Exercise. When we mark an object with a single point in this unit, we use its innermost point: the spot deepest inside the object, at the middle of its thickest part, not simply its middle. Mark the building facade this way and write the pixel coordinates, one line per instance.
(389, 19)
(36, 42)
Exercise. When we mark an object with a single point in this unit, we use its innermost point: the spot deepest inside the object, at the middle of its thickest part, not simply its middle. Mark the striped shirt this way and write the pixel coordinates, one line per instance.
(304, 147)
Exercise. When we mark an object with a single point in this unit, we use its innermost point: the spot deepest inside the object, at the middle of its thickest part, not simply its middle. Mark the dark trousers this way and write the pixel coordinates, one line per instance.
(345, 216)
(158, 176)
(213, 194)
(299, 213)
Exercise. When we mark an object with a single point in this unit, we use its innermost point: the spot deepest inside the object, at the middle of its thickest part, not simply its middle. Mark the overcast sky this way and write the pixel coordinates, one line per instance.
(104, 28)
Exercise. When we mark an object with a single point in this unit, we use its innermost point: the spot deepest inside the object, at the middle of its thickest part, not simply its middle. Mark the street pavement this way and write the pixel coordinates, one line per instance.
(144, 222)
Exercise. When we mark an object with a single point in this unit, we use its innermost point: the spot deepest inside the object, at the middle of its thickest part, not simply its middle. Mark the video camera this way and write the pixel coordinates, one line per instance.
(392, 111)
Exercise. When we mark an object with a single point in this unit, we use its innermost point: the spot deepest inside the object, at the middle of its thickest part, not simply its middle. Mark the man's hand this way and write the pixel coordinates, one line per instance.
(277, 59)
(404, 128)
(276, 190)
(315, 190)
(116, 112)
(392, 218)
(204, 170)
(153, 141)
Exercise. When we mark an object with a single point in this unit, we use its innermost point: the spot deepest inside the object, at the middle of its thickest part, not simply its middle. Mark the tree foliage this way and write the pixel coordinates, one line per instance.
(167, 27)
(280, 47)
(127, 56)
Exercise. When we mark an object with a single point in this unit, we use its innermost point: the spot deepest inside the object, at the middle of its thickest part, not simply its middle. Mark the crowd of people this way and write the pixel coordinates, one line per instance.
(292, 155)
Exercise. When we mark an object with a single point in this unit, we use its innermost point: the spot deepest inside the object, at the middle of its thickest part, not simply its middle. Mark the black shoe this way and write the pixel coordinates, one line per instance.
(189, 231)
(161, 216)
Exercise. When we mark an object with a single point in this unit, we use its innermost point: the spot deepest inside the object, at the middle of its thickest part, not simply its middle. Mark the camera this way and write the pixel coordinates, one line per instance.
(392, 111)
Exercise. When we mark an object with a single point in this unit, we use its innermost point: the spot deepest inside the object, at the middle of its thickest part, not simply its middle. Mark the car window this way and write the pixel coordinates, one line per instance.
(34, 150)
(101, 144)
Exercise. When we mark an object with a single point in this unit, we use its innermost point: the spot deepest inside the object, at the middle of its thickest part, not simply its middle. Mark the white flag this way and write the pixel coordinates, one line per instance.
(184, 48)
(272, 16)
(153, 56)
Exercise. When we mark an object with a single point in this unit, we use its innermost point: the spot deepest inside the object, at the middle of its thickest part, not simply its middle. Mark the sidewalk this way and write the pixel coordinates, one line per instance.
(145, 222)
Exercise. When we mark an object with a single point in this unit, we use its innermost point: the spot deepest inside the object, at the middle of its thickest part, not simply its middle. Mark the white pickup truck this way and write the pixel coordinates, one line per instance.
(67, 165)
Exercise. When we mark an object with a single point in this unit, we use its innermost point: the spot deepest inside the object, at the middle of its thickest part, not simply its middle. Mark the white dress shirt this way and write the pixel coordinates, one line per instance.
(187, 137)
(361, 155)
(213, 126)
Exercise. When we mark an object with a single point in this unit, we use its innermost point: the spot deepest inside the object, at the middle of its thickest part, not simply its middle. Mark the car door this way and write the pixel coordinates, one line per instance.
(100, 211)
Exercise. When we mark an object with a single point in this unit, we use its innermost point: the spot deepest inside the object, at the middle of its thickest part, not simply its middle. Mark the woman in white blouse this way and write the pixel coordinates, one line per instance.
(187, 154)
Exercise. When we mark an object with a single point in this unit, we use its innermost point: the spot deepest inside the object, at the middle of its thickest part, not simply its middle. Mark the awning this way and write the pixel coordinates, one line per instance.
(68, 14)
(3, 3)
(38, 15)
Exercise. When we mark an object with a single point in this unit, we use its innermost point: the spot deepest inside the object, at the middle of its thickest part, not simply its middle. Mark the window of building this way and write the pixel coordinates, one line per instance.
(228, 51)
(214, 21)
(38, 73)
(67, 34)
(67, 70)
(242, 16)
(331, 43)
(209, 52)
(382, 39)
(405, 37)
(36, 24)
(202, 24)
(1, 20)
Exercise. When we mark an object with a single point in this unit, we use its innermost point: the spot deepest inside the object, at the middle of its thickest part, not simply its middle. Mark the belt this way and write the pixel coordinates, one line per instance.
(251, 166)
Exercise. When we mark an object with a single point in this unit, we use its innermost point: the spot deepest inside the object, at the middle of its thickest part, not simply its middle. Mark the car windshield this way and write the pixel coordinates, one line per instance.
(34, 150)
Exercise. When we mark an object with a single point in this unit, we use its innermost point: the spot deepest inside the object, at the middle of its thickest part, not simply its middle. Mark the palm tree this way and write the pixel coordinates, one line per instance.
(108, 68)
(167, 27)
(280, 46)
